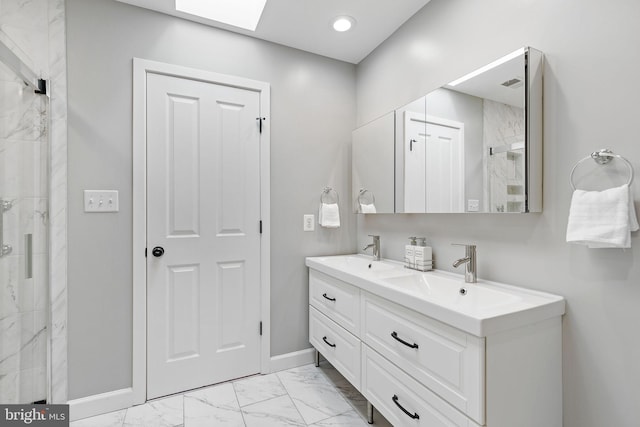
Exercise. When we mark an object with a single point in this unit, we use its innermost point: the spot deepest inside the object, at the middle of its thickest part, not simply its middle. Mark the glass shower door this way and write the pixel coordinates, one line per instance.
(23, 240)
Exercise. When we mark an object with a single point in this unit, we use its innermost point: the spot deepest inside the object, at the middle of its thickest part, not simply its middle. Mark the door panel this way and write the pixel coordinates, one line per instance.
(183, 311)
(444, 168)
(203, 187)
(183, 168)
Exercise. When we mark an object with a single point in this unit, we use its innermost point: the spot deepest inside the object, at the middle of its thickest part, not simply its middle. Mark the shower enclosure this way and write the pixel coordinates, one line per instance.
(24, 171)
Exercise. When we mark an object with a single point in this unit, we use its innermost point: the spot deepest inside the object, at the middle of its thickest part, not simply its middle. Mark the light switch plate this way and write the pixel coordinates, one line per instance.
(309, 223)
(473, 205)
(101, 201)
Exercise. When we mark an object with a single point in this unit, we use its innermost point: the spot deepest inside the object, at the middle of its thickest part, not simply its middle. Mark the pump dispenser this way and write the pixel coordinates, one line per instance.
(422, 255)
(409, 253)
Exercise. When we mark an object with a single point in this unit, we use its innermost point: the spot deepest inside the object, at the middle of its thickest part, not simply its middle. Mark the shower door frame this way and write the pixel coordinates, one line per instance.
(40, 87)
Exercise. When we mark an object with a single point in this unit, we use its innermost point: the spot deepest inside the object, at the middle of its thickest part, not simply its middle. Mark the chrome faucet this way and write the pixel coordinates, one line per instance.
(469, 259)
(375, 245)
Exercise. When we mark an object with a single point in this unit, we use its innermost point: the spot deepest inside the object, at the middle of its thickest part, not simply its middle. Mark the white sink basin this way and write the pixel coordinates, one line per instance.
(453, 293)
(358, 264)
(481, 309)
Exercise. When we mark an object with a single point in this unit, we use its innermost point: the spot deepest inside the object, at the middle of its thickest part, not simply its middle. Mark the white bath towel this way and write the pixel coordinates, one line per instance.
(364, 208)
(329, 215)
(602, 219)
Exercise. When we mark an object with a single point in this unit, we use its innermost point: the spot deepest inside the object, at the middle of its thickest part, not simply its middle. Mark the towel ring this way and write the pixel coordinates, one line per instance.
(602, 157)
(363, 193)
(329, 196)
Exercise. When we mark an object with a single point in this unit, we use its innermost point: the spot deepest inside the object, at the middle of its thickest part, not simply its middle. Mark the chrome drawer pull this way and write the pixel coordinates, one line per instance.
(327, 342)
(394, 334)
(330, 299)
(415, 415)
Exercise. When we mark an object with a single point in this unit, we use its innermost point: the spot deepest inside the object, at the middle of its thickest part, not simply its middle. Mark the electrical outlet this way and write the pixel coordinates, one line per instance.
(309, 223)
(473, 205)
(101, 201)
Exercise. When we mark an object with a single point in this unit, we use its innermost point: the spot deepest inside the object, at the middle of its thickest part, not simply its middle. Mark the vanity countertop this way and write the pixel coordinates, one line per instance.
(485, 308)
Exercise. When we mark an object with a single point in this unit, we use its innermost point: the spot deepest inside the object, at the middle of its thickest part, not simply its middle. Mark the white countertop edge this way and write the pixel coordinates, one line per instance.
(480, 327)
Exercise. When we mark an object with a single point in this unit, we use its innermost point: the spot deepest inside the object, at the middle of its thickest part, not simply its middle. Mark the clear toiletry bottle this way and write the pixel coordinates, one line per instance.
(409, 253)
(422, 255)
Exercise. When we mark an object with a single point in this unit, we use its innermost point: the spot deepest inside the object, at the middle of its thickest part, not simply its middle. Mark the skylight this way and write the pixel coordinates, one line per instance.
(238, 13)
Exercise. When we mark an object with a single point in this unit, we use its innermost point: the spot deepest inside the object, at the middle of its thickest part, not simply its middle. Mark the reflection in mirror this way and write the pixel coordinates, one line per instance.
(466, 147)
(499, 87)
(372, 166)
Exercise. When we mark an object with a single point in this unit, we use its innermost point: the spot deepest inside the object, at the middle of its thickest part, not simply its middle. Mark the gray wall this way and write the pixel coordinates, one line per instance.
(590, 102)
(313, 114)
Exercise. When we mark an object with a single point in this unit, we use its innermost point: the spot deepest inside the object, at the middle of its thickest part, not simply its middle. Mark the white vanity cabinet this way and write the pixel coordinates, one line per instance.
(446, 360)
(419, 371)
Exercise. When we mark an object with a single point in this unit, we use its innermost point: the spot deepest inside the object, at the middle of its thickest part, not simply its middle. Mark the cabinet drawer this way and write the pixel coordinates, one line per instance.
(401, 399)
(337, 345)
(446, 360)
(337, 300)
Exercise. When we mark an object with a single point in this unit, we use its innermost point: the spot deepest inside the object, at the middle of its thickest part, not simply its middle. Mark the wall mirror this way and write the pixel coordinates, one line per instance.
(372, 166)
(475, 144)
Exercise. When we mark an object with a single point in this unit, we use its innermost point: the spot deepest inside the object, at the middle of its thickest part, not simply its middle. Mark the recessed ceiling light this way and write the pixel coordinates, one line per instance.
(343, 23)
(238, 13)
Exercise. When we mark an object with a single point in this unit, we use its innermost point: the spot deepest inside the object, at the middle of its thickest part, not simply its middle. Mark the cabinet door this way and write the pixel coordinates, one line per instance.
(401, 399)
(337, 345)
(448, 361)
(336, 299)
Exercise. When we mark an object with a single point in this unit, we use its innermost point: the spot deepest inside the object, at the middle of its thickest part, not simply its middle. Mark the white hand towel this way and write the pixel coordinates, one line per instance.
(602, 219)
(364, 208)
(329, 215)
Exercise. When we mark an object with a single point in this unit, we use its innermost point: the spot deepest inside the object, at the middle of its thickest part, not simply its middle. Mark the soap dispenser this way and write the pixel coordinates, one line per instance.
(409, 253)
(423, 255)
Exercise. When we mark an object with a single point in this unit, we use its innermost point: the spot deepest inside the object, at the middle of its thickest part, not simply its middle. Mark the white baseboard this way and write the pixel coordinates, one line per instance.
(97, 404)
(291, 360)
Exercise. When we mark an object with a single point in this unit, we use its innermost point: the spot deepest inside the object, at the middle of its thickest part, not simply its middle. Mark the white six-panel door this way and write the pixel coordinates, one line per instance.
(434, 164)
(203, 210)
(444, 167)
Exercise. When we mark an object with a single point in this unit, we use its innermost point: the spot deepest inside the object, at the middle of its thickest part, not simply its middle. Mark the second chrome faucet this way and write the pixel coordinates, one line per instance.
(375, 245)
(470, 272)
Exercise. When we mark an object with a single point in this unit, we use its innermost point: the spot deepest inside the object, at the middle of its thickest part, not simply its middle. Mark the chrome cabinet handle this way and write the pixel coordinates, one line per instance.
(327, 342)
(330, 299)
(415, 415)
(394, 334)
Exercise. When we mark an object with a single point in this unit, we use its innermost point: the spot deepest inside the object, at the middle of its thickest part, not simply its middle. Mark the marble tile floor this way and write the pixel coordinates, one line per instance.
(303, 396)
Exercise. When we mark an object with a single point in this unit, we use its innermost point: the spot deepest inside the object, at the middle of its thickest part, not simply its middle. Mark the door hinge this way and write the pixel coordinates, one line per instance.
(260, 328)
(145, 252)
(260, 226)
(260, 120)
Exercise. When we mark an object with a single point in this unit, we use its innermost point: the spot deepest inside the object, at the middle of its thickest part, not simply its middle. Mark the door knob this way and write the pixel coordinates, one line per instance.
(158, 251)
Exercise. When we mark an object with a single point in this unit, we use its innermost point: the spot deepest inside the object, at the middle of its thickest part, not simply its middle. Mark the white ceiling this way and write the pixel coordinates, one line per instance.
(306, 24)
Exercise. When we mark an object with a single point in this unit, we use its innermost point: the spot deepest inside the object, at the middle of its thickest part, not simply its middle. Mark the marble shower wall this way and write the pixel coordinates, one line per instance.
(503, 125)
(33, 137)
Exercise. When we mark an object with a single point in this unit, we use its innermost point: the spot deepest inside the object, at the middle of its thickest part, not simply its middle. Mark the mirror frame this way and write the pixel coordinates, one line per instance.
(533, 136)
(533, 150)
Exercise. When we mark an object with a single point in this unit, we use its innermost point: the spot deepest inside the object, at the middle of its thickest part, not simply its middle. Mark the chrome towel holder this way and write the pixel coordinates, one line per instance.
(366, 197)
(602, 157)
(329, 196)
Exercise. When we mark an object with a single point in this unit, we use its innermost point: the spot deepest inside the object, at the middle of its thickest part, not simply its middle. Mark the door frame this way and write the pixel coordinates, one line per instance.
(142, 67)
